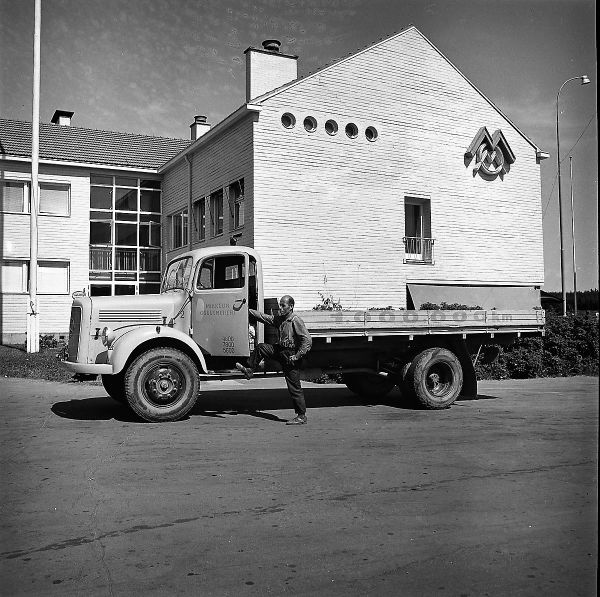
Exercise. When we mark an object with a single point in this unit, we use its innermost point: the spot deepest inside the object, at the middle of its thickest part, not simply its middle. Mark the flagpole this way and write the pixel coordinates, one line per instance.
(33, 322)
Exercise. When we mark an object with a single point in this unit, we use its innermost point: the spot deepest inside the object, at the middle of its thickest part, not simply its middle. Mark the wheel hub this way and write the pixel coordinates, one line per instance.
(163, 384)
(437, 380)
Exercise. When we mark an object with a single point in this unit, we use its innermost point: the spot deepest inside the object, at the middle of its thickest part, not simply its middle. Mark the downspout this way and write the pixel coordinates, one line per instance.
(189, 159)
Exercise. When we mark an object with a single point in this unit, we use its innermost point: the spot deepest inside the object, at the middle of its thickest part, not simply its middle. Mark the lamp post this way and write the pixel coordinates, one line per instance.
(584, 81)
(573, 237)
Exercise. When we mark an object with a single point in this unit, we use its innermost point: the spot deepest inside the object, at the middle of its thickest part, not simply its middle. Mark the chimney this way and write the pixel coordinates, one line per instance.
(62, 117)
(199, 127)
(267, 68)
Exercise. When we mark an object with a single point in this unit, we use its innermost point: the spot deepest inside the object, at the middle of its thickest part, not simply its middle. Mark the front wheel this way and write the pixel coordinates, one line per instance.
(434, 379)
(162, 384)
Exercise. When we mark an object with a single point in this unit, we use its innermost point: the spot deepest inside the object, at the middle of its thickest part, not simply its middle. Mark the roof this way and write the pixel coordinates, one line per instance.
(258, 100)
(89, 146)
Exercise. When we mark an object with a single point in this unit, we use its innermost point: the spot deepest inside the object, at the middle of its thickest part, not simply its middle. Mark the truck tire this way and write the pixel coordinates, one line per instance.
(115, 387)
(434, 379)
(368, 385)
(162, 384)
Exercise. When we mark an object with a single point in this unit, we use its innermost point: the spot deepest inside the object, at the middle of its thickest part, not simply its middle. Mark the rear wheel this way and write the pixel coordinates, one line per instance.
(115, 387)
(434, 379)
(369, 385)
(162, 384)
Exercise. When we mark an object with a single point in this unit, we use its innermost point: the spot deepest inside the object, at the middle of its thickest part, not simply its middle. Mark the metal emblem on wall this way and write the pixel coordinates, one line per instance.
(492, 153)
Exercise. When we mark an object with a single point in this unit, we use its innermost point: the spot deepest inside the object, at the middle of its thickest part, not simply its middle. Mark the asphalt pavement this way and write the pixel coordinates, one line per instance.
(494, 496)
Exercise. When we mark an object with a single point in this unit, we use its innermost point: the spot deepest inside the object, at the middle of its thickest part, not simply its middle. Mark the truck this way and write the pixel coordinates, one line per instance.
(153, 352)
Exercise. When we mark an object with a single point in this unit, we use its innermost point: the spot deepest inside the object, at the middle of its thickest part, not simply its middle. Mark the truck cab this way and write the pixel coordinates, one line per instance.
(198, 324)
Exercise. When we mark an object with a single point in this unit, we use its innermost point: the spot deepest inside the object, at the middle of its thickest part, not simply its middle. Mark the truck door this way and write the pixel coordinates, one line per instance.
(220, 305)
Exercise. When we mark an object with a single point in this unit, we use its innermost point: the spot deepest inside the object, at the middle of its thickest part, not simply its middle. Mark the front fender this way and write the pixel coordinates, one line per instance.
(124, 345)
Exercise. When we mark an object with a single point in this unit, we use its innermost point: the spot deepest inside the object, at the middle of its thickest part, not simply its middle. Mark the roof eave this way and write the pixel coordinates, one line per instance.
(95, 165)
(228, 121)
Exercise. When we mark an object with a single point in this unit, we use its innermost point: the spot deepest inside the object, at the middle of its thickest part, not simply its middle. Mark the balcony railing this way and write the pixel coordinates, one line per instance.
(100, 258)
(418, 249)
(126, 259)
(149, 260)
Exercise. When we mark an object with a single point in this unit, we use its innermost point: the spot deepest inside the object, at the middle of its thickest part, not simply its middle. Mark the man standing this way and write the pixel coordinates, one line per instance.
(294, 343)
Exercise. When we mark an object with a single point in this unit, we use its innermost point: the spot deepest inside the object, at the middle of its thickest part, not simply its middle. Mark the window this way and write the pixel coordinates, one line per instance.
(418, 244)
(371, 133)
(55, 199)
(216, 212)
(125, 234)
(200, 219)
(236, 203)
(52, 277)
(150, 234)
(177, 275)
(179, 229)
(310, 124)
(288, 120)
(351, 130)
(331, 127)
(14, 276)
(14, 196)
(228, 271)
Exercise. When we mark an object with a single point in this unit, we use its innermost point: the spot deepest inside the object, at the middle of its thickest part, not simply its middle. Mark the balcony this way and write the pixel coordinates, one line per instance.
(126, 259)
(418, 249)
(100, 259)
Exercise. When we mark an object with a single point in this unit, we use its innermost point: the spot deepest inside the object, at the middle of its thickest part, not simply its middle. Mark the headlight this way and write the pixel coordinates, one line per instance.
(108, 337)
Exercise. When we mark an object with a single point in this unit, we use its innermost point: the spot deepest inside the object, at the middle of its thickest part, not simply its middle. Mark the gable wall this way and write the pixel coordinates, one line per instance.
(332, 208)
(220, 162)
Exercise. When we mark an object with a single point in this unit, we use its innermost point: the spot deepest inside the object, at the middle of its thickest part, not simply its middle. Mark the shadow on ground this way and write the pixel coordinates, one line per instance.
(226, 403)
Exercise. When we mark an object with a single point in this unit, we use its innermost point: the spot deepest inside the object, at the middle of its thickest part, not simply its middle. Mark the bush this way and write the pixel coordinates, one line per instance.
(570, 347)
(443, 306)
(328, 303)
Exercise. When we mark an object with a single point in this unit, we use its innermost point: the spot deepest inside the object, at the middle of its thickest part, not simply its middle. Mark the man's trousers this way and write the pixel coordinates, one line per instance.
(290, 370)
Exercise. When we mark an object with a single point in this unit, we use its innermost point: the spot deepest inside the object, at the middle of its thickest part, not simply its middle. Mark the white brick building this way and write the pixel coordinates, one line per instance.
(383, 172)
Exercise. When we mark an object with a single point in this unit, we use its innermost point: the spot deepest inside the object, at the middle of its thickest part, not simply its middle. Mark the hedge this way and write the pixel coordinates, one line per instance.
(570, 347)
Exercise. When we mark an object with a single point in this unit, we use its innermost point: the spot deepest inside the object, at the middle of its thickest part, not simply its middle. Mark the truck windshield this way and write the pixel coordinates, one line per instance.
(177, 275)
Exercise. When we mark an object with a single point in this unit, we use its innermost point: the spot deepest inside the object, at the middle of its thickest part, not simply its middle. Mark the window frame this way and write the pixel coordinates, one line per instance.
(237, 204)
(26, 195)
(182, 217)
(199, 212)
(25, 269)
(217, 197)
(55, 183)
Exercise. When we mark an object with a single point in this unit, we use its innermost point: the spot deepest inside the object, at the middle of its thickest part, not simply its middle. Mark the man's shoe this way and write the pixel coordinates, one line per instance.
(248, 373)
(298, 420)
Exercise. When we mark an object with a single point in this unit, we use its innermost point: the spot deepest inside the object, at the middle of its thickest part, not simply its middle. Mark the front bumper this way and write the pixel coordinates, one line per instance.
(88, 368)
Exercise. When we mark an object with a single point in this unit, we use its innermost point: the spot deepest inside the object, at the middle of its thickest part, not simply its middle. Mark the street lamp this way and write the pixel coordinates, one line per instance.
(573, 237)
(584, 81)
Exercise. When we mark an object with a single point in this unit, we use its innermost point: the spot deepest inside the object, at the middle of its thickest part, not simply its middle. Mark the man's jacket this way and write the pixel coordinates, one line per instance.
(293, 334)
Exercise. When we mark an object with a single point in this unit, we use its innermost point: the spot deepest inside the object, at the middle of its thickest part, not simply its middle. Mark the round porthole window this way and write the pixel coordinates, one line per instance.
(310, 124)
(331, 127)
(371, 133)
(288, 120)
(351, 130)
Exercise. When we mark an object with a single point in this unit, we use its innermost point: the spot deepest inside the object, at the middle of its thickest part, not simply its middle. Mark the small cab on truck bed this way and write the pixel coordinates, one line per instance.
(153, 350)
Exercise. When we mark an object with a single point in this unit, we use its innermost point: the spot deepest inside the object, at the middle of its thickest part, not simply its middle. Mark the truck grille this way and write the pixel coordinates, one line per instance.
(74, 331)
(141, 315)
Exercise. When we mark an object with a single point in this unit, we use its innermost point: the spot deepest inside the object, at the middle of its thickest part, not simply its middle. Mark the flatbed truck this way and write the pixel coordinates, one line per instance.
(154, 351)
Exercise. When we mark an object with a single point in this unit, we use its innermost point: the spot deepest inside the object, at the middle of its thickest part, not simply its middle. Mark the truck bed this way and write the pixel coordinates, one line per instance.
(333, 324)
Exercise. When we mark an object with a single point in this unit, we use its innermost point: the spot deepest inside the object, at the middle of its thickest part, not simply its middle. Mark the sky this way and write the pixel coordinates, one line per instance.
(149, 66)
